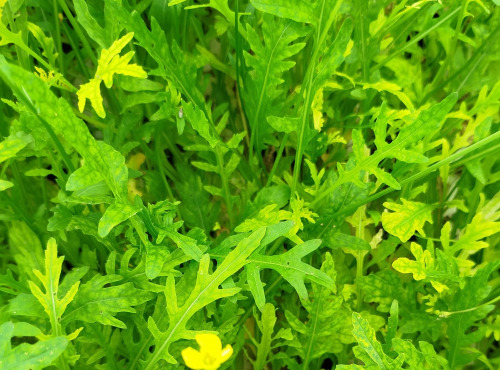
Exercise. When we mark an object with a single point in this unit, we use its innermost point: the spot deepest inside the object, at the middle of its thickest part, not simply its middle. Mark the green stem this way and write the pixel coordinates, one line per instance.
(454, 157)
(78, 30)
(413, 41)
(449, 313)
(320, 38)
(225, 186)
(453, 45)
(277, 160)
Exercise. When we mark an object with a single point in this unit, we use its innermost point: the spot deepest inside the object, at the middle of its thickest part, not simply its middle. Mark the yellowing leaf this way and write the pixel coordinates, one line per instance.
(406, 218)
(109, 64)
(92, 91)
(317, 109)
(422, 267)
(423, 261)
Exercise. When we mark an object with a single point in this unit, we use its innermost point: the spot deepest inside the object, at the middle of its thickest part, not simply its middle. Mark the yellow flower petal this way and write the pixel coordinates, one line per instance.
(193, 358)
(209, 343)
(226, 353)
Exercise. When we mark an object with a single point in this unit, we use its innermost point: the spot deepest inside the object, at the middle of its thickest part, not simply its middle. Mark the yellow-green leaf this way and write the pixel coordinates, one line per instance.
(423, 261)
(53, 305)
(109, 64)
(406, 218)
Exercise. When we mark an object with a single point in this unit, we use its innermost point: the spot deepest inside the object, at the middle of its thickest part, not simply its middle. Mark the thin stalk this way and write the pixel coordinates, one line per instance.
(78, 30)
(320, 38)
(277, 160)
(453, 44)
(225, 187)
(413, 41)
(452, 158)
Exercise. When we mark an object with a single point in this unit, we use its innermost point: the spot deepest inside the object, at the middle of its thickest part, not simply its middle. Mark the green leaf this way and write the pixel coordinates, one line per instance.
(297, 10)
(89, 23)
(13, 144)
(292, 269)
(327, 320)
(114, 215)
(424, 359)
(367, 341)
(198, 120)
(482, 226)
(205, 291)
(465, 312)
(269, 61)
(266, 325)
(179, 69)
(58, 114)
(96, 303)
(407, 218)
(27, 356)
(53, 304)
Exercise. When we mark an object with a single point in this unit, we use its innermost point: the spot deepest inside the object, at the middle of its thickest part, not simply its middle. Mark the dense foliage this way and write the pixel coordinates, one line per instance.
(299, 184)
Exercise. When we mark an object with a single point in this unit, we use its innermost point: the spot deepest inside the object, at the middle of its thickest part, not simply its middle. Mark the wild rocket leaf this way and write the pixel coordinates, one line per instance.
(96, 303)
(200, 123)
(57, 113)
(90, 24)
(407, 218)
(325, 329)
(53, 304)
(250, 184)
(179, 70)
(266, 324)
(465, 310)
(13, 144)
(109, 64)
(290, 266)
(297, 10)
(367, 343)
(269, 61)
(27, 356)
(205, 291)
(114, 215)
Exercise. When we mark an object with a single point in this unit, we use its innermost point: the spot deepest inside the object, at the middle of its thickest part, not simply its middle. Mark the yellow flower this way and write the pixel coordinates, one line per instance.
(210, 356)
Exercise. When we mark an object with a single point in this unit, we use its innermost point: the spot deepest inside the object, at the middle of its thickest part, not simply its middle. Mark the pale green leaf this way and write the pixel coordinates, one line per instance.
(198, 120)
(58, 114)
(205, 291)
